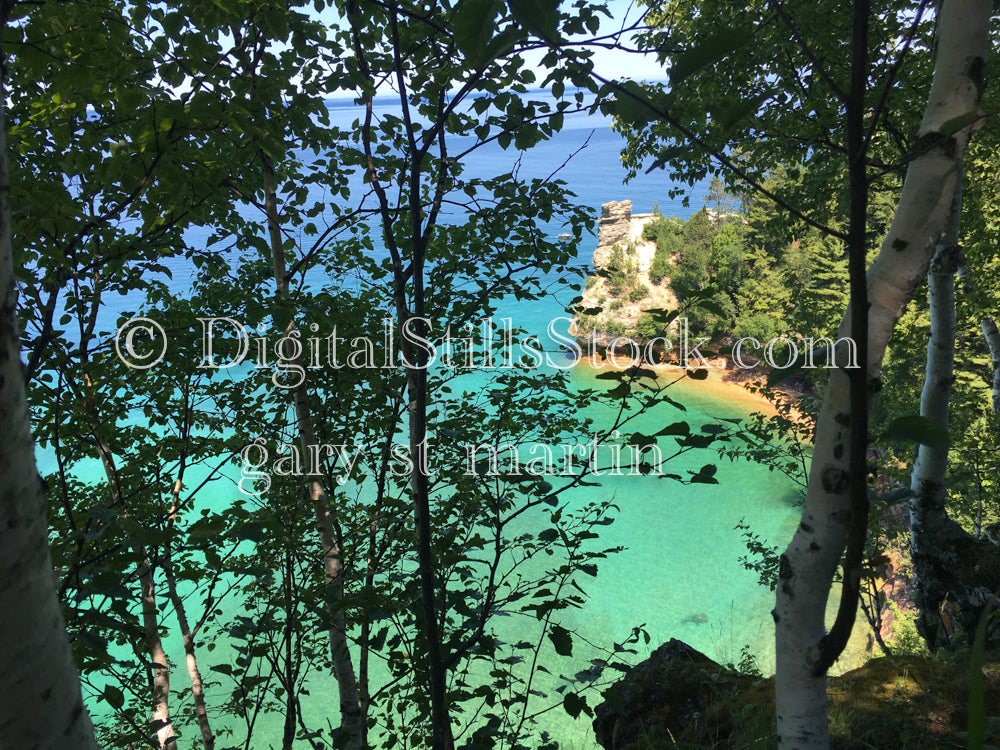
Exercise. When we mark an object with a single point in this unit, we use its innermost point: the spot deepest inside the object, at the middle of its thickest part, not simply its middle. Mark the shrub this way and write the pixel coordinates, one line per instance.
(647, 328)
(905, 638)
(616, 328)
(622, 269)
(666, 233)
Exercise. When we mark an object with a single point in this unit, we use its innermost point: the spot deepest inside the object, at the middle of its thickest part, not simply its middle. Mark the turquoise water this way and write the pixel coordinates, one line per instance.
(679, 575)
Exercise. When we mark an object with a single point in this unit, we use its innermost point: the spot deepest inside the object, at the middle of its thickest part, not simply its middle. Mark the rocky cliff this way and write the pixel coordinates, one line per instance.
(620, 287)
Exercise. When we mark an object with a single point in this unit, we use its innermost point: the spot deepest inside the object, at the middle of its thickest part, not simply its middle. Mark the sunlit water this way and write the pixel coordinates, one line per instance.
(679, 575)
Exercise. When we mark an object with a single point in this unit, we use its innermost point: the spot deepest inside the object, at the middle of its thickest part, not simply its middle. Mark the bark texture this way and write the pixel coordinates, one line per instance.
(353, 721)
(187, 633)
(955, 571)
(809, 563)
(992, 336)
(157, 665)
(40, 700)
(930, 526)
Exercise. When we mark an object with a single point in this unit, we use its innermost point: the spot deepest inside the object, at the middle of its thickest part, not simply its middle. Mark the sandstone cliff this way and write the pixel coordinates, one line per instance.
(621, 305)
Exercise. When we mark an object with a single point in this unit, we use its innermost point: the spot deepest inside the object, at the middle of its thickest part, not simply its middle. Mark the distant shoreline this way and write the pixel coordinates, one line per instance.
(728, 384)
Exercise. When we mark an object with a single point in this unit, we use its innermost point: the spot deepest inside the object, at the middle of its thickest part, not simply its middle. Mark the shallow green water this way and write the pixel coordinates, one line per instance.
(680, 575)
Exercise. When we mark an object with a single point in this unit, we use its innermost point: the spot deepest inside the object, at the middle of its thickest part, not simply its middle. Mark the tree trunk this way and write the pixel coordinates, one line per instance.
(808, 565)
(930, 529)
(992, 337)
(948, 591)
(157, 658)
(353, 721)
(187, 635)
(42, 705)
(153, 643)
(191, 658)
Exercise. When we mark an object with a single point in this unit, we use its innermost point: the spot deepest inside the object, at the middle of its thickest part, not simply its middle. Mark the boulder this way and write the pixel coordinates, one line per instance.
(674, 693)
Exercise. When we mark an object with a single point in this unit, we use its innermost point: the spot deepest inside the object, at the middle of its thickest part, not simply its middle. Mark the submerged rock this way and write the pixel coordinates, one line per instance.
(699, 618)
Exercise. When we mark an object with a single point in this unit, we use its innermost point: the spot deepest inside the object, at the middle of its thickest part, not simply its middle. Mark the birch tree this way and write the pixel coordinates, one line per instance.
(956, 571)
(41, 704)
(808, 565)
(758, 104)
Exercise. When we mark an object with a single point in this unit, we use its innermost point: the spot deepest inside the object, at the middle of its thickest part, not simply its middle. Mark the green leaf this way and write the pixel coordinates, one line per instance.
(676, 404)
(713, 307)
(633, 105)
(705, 475)
(207, 528)
(614, 699)
(916, 429)
(548, 535)
(562, 639)
(729, 112)
(574, 704)
(977, 702)
(620, 391)
(664, 317)
(641, 440)
(640, 372)
(699, 374)
(113, 696)
(677, 428)
(473, 26)
(540, 17)
(709, 51)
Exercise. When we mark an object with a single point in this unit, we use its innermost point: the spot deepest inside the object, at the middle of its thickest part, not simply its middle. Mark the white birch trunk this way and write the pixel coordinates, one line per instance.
(929, 521)
(187, 634)
(158, 659)
(992, 336)
(352, 718)
(40, 701)
(157, 666)
(808, 565)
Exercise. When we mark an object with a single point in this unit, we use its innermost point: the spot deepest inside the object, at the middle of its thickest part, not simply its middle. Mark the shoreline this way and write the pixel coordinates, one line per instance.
(722, 382)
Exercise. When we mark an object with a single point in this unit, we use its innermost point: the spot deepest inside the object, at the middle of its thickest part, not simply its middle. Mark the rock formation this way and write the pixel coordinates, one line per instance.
(620, 311)
(679, 697)
(664, 696)
(615, 226)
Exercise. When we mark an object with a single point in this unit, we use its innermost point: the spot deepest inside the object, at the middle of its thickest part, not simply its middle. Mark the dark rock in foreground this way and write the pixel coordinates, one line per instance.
(679, 697)
(675, 694)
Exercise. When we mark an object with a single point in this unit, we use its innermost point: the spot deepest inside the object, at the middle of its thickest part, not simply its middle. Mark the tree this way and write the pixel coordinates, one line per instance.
(42, 705)
(212, 118)
(456, 86)
(835, 510)
(808, 563)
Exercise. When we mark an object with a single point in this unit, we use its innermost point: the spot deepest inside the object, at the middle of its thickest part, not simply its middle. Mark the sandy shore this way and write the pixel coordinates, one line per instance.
(722, 384)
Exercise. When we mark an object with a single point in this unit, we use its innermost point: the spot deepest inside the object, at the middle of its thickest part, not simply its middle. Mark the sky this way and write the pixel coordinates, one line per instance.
(608, 64)
(621, 64)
